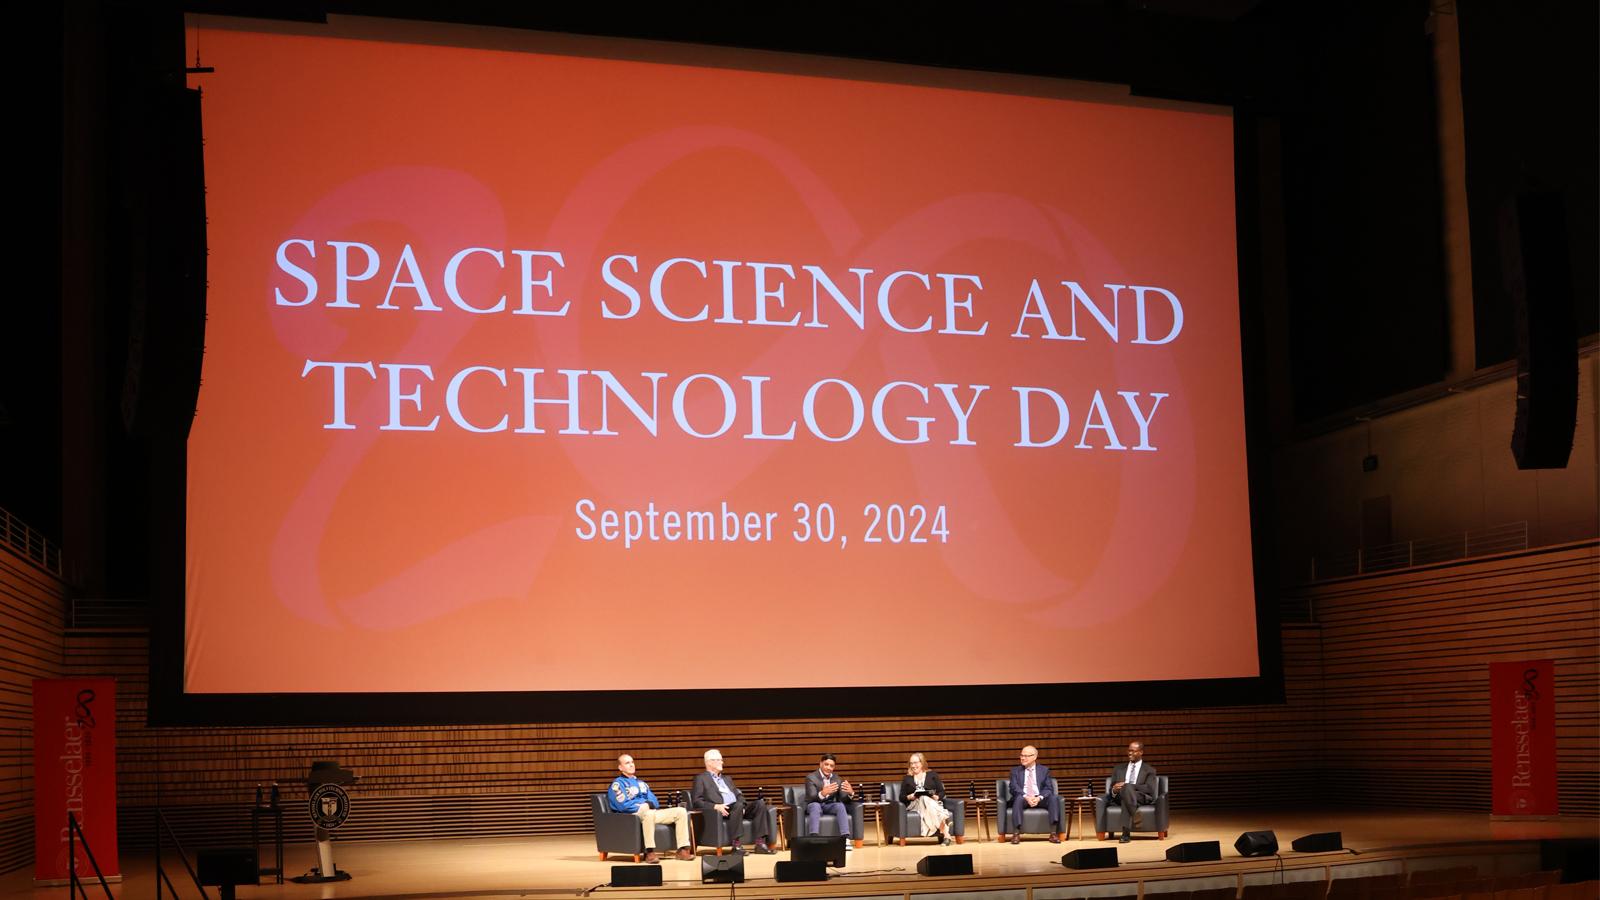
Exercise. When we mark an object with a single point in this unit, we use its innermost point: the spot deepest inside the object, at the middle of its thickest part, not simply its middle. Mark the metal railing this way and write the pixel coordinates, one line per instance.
(165, 828)
(108, 612)
(74, 883)
(29, 544)
(1388, 557)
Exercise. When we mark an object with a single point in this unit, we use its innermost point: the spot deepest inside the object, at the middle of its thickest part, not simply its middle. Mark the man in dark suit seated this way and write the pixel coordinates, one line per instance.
(829, 794)
(1132, 783)
(715, 794)
(1032, 786)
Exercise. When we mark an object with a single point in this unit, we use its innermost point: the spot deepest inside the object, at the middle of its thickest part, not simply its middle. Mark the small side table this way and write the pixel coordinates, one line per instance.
(274, 815)
(1078, 804)
(877, 815)
(783, 841)
(978, 803)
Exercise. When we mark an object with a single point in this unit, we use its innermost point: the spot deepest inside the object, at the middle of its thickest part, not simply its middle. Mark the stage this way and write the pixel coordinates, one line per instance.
(568, 865)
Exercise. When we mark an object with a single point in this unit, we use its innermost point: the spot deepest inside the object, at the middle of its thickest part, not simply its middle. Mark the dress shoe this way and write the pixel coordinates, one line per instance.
(1125, 839)
(737, 846)
(944, 840)
(652, 857)
(1016, 839)
(685, 853)
(1055, 838)
(763, 848)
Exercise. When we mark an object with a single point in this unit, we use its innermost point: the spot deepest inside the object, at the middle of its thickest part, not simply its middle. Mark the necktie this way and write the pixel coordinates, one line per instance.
(1033, 788)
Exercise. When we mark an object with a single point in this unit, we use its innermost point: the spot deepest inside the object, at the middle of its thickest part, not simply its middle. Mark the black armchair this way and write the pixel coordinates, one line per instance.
(616, 832)
(901, 822)
(795, 796)
(1035, 820)
(1109, 814)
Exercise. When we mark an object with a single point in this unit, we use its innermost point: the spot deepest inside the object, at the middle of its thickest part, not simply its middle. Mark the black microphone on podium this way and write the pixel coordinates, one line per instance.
(972, 789)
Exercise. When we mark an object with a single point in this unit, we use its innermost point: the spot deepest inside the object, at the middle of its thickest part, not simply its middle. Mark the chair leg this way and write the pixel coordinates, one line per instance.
(1099, 835)
(900, 841)
(602, 857)
(859, 844)
(636, 857)
(719, 849)
(961, 839)
(1163, 835)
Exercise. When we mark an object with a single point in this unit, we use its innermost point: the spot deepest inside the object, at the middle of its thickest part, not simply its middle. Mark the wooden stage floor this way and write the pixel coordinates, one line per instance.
(568, 865)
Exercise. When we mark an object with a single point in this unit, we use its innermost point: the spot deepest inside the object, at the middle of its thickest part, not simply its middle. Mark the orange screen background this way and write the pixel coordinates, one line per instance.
(369, 559)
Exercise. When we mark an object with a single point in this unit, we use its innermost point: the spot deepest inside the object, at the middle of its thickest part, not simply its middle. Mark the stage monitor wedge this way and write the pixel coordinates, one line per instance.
(1256, 843)
(228, 866)
(818, 848)
(1091, 858)
(800, 870)
(635, 876)
(945, 864)
(1195, 851)
(722, 869)
(1320, 842)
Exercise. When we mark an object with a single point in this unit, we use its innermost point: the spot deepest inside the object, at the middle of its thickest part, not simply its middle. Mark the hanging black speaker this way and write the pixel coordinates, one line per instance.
(165, 277)
(1256, 843)
(1538, 277)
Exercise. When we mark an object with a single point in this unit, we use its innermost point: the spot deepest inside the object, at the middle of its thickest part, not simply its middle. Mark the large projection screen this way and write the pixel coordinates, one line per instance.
(542, 364)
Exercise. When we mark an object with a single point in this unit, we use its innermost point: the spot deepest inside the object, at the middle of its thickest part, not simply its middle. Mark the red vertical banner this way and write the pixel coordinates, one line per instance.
(74, 771)
(1522, 709)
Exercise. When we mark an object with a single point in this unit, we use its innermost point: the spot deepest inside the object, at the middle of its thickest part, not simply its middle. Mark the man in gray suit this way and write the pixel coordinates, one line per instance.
(1132, 783)
(829, 794)
(715, 794)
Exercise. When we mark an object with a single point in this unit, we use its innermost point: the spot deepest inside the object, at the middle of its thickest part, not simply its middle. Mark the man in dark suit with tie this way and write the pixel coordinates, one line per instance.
(1132, 783)
(715, 794)
(1032, 786)
(829, 794)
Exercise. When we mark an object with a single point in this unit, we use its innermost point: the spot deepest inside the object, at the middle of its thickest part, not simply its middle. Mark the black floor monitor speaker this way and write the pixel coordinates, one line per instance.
(722, 869)
(1538, 277)
(1195, 851)
(1256, 843)
(802, 870)
(945, 864)
(1321, 842)
(1097, 858)
(230, 865)
(818, 848)
(635, 876)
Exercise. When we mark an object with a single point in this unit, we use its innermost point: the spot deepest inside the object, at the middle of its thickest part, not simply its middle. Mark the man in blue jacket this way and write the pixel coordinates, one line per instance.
(1032, 786)
(628, 794)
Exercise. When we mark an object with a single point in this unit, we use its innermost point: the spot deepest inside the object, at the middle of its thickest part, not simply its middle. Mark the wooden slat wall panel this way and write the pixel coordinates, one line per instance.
(31, 619)
(1392, 674)
(1406, 674)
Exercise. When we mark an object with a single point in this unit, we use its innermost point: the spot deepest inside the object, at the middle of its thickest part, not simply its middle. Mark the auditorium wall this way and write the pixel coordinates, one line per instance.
(1445, 468)
(1385, 673)
(31, 620)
